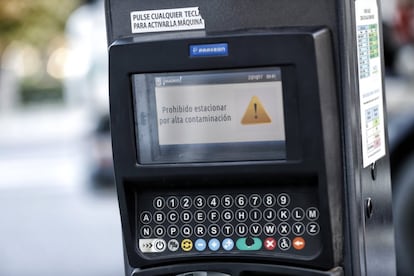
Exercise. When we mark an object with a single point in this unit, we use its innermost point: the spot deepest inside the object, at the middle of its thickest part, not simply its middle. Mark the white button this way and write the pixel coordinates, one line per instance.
(255, 200)
(159, 231)
(227, 201)
(312, 228)
(284, 229)
(172, 217)
(172, 202)
(159, 203)
(269, 229)
(283, 200)
(213, 201)
(200, 216)
(199, 202)
(159, 217)
(241, 201)
(146, 217)
(298, 214)
(172, 231)
(269, 200)
(298, 229)
(186, 216)
(283, 214)
(312, 213)
(255, 229)
(186, 202)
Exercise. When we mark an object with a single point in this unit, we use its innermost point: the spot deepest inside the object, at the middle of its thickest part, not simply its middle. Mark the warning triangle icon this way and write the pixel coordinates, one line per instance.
(255, 113)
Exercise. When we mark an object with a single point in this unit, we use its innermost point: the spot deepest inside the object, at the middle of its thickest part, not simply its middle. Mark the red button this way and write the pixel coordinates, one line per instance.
(270, 244)
(299, 243)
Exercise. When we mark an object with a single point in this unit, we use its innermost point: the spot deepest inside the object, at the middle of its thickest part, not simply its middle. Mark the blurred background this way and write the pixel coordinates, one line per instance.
(58, 207)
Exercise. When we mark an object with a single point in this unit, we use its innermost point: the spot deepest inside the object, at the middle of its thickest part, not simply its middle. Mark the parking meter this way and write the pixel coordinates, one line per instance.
(249, 138)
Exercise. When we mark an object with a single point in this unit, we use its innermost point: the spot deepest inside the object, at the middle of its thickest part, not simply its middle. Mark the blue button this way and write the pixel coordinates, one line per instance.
(214, 244)
(209, 50)
(228, 244)
(200, 245)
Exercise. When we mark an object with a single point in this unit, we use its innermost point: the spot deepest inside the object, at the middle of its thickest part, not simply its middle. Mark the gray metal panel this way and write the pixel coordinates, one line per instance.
(229, 15)
(369, 245)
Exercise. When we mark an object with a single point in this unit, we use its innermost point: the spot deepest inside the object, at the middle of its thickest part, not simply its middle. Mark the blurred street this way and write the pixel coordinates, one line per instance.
(53, 222)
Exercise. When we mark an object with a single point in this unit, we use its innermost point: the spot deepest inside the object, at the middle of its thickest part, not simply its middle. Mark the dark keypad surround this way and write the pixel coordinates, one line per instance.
(245, 223)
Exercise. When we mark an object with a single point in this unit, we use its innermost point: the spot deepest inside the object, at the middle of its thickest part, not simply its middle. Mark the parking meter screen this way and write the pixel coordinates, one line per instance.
(210, 116)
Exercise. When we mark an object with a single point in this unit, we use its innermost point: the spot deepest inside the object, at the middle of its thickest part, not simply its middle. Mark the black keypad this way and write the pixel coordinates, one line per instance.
(275, 223)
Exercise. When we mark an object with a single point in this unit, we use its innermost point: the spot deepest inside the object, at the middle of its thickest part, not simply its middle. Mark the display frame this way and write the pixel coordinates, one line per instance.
(149, 151)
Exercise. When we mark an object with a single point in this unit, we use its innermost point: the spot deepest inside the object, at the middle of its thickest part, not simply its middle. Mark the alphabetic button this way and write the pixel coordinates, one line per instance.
(146, 217)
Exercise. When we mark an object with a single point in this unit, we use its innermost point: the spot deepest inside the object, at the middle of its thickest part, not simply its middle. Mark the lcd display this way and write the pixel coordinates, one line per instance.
(210, 116)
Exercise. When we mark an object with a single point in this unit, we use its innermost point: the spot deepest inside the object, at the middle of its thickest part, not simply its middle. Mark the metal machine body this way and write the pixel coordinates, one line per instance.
(238, 138)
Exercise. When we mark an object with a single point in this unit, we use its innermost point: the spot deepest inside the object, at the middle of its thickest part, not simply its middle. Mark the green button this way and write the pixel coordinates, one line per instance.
(241, 244)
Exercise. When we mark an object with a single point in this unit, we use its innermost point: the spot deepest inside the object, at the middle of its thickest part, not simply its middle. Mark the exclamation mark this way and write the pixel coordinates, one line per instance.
(255, 110)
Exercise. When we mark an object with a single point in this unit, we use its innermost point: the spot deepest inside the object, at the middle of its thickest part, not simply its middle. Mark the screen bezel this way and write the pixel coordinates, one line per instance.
(146, 127)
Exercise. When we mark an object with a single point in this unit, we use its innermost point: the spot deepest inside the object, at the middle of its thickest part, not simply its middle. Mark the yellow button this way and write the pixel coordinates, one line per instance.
(187, 245)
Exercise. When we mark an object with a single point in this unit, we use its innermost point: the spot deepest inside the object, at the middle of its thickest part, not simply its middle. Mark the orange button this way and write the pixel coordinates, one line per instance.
(299, 243)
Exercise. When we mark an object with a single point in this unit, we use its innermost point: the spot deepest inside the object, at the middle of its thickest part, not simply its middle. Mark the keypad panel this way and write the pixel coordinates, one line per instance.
(283, 223)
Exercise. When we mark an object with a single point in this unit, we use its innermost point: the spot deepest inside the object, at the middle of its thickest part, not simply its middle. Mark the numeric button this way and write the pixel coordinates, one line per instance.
(269, 200)
(172, 202)
(185, 202)
(213, 201)
(255, 201)
(199, 202)
(158, 203)
(227, 201)
(283, 200)
(241, 201)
